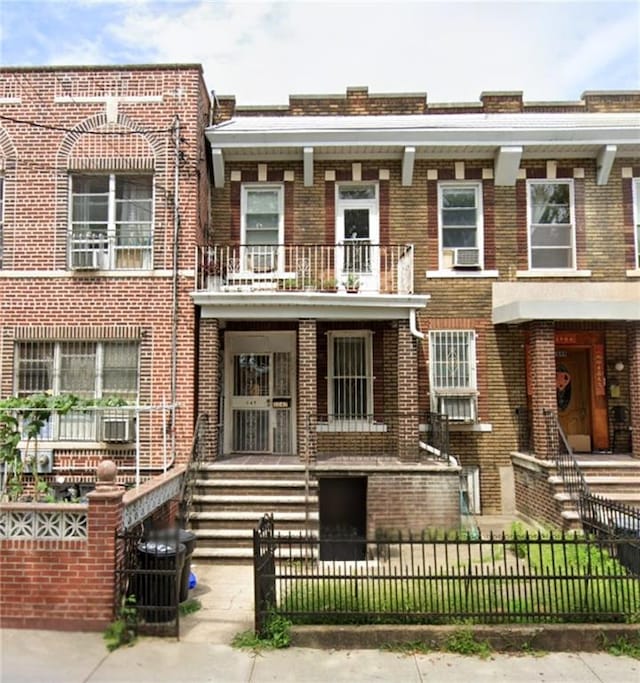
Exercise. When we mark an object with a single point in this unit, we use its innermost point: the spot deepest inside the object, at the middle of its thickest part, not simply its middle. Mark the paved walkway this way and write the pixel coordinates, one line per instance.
(204, 654)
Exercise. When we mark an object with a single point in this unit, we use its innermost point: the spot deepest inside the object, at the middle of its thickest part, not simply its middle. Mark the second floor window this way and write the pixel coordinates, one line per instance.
(452, 374)
(551, 224)
(262, 227)
(111, 222)
(460, 216)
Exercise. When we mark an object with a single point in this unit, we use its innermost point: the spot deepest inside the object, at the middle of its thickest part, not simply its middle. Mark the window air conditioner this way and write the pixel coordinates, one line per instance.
(460, 408)
(86, 259)
(117, 429)
(466, 258)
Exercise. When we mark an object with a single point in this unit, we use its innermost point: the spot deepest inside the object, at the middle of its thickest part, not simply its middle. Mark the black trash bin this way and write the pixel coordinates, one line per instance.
(157, 582)
(186, 538)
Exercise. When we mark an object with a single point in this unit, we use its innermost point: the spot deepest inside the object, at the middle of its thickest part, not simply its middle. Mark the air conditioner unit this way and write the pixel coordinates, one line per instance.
(461, 408)
(117, 429)
(86, 259)
(466, 258)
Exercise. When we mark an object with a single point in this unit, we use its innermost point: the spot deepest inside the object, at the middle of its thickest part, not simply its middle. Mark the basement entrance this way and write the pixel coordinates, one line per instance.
(343, 518)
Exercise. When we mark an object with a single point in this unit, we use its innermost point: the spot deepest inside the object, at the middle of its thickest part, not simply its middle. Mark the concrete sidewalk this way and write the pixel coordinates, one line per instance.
(204, 653)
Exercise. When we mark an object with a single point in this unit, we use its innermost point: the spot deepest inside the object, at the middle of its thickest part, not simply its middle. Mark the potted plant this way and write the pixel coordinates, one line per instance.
(352, 283)
(329, 284)
(215, 275)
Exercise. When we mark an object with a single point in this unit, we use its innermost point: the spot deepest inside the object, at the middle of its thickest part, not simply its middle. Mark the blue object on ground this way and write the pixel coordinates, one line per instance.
(192, 580)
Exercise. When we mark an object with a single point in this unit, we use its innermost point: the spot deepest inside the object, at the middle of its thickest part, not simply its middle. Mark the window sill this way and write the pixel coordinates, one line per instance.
(633, 273)
(451, 273)
(464, 427)
(557, 272)
(350, 426)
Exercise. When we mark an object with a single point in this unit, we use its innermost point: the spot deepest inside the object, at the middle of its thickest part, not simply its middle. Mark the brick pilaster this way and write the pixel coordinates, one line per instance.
(633, 340)
(543, 379)
(408, 419)
(208, 381)
(307, 390)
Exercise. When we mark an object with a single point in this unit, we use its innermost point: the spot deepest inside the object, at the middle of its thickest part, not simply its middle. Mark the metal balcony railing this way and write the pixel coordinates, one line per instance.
(350, 266)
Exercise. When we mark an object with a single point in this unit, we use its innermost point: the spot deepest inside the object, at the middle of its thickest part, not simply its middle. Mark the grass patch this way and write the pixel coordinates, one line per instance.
(463, 642)
(124, 630)
(189, 607)
(625, 648)
(276, 636)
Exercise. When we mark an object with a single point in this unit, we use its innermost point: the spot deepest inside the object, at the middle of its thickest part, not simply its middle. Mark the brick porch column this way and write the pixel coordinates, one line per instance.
(99, 587)
(407, 406)
(307, 390)
(543, 381)
(633, 359)
(208, 373)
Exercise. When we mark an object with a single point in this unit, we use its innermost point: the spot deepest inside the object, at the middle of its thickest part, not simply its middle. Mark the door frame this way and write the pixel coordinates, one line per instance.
(258, 342)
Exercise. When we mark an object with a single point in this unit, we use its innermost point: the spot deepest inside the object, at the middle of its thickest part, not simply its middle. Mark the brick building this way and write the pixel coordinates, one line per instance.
(104, 193)
(495, 249)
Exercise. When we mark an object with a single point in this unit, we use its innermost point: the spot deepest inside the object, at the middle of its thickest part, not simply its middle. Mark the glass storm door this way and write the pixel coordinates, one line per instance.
(357, 235)
(260, 399)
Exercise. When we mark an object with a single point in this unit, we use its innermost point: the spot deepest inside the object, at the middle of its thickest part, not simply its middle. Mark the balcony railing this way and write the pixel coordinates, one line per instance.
(346, 267)
(128, 249)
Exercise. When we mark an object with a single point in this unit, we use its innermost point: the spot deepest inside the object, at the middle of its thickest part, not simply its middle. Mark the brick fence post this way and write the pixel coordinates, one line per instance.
(106, 510)
(543, 378)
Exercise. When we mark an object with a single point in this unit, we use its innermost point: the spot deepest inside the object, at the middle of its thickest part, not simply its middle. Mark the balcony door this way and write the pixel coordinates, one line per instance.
(260, 397)
(262, 228)
(358, 235)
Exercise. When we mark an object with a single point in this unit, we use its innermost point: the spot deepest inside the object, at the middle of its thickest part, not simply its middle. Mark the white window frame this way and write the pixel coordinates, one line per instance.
(260, 187)
(367, 335)
(107, 260)
(454, 185)
(635, 191)
(468, 392)
(572, 224)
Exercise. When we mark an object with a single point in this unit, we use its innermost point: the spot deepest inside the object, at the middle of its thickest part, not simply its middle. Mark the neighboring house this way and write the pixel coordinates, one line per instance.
(103, 195)
(496, 251)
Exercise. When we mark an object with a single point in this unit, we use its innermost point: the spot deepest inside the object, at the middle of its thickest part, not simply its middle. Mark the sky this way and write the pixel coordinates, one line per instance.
(262, 52)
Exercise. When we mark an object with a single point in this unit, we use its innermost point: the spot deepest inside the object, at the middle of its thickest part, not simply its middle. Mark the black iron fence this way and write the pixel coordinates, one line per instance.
(427, 580)
(196, 458)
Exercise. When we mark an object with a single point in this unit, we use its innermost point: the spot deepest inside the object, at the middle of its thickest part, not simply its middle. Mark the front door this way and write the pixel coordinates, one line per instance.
(357, 236)
(259, 400)
(573, 392)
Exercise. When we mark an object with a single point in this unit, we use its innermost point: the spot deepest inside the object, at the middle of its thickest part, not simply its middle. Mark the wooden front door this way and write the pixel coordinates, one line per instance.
(573, 392)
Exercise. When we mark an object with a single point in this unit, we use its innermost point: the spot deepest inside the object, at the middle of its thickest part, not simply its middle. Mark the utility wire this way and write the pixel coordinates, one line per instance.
(64, 129)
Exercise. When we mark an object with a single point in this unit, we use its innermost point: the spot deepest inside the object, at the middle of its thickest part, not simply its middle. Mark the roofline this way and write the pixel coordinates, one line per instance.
(103, 67)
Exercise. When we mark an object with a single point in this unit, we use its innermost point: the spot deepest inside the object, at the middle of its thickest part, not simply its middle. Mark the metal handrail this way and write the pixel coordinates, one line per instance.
(196, 457)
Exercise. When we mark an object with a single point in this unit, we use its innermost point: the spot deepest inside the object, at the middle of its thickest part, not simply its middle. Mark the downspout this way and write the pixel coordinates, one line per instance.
(413, 325)
(174, 317)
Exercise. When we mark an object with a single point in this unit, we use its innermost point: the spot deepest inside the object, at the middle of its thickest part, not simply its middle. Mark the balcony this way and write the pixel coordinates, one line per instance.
(353, 267)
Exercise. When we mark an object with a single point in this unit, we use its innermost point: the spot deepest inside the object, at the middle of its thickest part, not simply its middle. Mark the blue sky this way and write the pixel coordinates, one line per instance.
(263, 51)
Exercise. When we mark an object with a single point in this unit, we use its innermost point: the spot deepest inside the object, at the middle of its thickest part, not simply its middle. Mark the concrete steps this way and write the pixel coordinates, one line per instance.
(230, 500)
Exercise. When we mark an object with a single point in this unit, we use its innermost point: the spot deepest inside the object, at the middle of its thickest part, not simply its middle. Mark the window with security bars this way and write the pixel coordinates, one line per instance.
(85, 369)
(350, 375)
(111, 222)
(452, 373)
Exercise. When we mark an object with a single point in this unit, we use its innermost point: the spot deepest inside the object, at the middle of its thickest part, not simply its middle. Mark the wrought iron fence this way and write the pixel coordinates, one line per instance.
(431, 580)
(196, 457)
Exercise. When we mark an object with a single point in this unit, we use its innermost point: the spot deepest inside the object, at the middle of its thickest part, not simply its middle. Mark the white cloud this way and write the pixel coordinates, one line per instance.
(263, 51)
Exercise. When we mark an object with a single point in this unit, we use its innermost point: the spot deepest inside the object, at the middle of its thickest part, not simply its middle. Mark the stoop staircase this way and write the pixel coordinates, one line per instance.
(617, 479)
(229, 500)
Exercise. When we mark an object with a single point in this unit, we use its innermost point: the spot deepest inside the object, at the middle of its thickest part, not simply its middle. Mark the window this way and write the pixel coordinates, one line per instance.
(111, 222)
(551, 224)
(350, 375)
(636, 205)
(452, 374)
(262, 227)
(85, 369)
(460, 222)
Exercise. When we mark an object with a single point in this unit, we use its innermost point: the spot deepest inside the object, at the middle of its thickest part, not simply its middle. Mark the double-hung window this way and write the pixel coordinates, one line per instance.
(452, 374)
(636, 219)
(350, 380)
(262, 227)
(88, 370)
(111, 222)
(461, 225)
(551, 224)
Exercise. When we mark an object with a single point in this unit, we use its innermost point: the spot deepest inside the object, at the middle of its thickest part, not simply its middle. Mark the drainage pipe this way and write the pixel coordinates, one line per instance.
(413, 325)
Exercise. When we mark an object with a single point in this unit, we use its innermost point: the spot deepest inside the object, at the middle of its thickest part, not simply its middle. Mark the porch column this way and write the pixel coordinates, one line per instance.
(633, 341)
(208, 373)
(407, 406)
(307, 385)
(543, 383)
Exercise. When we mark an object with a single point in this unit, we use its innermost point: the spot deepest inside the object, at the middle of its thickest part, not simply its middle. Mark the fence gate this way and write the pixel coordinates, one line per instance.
(148, 578)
